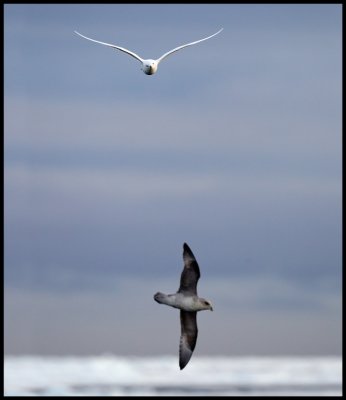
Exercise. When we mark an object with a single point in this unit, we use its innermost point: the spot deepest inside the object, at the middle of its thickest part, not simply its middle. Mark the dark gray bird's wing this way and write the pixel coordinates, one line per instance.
(190, 274)
(188, 338)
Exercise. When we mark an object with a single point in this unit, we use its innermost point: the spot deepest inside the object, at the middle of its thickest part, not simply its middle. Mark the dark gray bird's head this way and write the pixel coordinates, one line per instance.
(206, 304)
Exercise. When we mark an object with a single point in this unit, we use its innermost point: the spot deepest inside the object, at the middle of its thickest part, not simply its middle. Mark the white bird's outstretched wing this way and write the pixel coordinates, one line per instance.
(131, 53)
(185, 45)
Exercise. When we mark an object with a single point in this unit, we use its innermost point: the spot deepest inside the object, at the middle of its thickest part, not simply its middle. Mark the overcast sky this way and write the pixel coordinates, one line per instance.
(233, 146)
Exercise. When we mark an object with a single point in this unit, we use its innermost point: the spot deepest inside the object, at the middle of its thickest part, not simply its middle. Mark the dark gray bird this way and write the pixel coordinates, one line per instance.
(187, 300)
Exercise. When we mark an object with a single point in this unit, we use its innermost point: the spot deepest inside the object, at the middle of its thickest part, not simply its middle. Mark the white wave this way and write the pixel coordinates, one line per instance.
(115, 375)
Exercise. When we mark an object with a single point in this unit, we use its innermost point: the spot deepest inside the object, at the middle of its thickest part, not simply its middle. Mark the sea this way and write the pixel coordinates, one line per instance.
(111, 375)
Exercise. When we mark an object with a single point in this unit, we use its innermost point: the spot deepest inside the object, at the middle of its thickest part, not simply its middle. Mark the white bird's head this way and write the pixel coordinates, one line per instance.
(149, 67)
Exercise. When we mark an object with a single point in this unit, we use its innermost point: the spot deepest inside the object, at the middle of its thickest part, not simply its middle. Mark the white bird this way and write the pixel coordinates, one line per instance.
(149, 66)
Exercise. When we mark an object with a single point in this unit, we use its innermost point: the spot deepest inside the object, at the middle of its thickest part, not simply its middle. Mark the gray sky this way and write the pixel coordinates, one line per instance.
(233, 146)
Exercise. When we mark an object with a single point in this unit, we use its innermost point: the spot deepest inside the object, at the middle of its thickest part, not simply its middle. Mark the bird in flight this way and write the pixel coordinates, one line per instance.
(149, 66)
(187, 300)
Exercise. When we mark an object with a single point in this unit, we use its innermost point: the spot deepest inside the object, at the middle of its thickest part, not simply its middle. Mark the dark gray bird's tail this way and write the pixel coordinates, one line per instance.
(159, 297)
